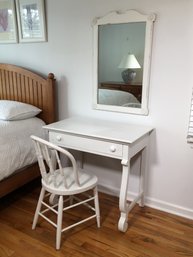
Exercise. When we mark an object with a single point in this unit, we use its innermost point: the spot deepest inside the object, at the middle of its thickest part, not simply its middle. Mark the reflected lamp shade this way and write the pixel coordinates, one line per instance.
(129, 63)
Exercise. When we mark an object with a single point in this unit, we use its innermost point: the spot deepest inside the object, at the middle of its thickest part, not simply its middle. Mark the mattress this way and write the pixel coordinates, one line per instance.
(116, 97)
(16, 146)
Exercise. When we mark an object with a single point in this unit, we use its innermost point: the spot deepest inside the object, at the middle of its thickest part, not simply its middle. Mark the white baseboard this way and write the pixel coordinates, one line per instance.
(169, 207)
(151, 202)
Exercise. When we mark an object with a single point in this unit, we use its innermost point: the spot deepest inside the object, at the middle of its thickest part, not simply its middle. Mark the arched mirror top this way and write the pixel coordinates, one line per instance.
(121, 68)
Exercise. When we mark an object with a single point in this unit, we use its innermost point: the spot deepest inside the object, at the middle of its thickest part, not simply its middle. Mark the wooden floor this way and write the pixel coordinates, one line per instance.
(150, 233)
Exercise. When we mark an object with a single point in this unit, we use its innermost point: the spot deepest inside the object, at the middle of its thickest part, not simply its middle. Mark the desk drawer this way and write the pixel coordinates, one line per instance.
(87, 144)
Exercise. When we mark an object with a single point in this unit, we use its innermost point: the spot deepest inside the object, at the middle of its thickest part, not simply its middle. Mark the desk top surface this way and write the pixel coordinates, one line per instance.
(100, 129)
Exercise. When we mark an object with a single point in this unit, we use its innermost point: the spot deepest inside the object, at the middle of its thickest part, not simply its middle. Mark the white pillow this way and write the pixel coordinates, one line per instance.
(13, 110)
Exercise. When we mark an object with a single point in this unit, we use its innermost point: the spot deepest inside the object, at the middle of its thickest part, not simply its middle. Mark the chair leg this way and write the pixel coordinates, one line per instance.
(38, 208)
(71, 199)
(97, 209)
(53, 199)
(59, 222)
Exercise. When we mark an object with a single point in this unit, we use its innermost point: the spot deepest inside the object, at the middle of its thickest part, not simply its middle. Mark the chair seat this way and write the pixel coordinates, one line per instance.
(55, 183)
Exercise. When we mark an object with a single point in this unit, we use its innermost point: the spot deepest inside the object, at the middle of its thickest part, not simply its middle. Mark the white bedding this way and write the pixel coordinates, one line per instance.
(118, 98)
(16, 147)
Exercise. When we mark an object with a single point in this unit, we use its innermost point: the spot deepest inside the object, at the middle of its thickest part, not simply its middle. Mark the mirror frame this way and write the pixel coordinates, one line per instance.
(118, 17)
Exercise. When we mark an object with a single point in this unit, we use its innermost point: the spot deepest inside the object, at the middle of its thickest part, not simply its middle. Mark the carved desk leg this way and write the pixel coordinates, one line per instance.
(142, 176)
(123, 205)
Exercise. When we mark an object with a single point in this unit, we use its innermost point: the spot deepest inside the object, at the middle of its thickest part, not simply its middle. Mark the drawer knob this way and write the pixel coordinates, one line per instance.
(59, 138)
(112, 148)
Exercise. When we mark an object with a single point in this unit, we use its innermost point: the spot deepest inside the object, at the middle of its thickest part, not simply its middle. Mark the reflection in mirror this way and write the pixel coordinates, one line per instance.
(122, 44)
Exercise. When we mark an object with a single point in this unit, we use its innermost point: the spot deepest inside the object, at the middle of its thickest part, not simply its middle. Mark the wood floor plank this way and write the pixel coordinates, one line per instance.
(151, 233)
(5, 251)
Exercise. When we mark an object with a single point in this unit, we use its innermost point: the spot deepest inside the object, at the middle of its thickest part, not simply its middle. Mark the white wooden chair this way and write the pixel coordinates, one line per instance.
(60, 182)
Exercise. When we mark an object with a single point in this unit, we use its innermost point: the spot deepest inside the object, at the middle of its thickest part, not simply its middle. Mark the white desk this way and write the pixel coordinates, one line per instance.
(112, 139)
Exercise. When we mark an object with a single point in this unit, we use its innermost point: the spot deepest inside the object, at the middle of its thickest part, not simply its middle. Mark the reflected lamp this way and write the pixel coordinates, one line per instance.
(129, 63)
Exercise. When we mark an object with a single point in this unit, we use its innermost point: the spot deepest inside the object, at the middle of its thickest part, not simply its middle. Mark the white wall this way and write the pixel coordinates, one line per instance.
(68, 54)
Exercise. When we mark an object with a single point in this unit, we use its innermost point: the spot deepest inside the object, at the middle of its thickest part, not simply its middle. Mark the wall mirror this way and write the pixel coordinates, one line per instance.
(121, 68)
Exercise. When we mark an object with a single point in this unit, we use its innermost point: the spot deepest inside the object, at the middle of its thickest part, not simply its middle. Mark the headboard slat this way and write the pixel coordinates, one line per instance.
(3, 84)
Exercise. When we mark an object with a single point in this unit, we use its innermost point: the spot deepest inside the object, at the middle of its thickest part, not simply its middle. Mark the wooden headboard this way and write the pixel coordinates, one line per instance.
(20, 84)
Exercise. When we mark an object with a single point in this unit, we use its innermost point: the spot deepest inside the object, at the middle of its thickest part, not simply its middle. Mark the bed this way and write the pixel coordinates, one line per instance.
(117, 98)
(22, 85)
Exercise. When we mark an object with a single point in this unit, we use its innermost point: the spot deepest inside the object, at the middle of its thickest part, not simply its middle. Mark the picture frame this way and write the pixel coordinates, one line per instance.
(8, 27)
(31, 20)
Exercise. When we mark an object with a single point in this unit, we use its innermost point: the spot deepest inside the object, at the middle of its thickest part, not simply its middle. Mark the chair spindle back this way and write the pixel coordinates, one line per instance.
(48, 156)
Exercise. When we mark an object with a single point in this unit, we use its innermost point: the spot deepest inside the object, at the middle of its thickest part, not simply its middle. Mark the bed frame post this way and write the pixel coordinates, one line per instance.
(50, 98)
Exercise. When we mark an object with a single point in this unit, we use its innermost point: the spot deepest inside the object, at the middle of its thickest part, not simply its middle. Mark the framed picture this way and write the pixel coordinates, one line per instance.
(8, 29)
(31, 20)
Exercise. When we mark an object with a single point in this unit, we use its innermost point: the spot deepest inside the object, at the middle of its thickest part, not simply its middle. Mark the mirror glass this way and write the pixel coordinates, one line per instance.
(122, 44)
